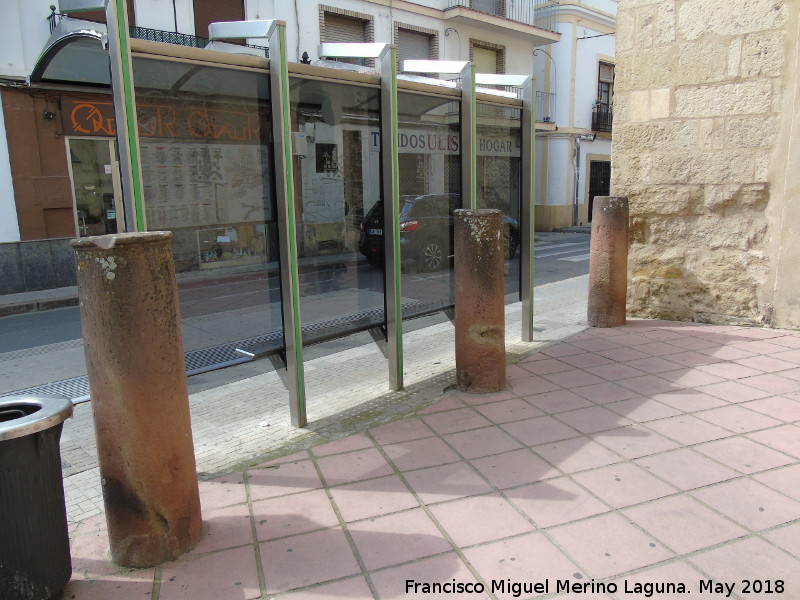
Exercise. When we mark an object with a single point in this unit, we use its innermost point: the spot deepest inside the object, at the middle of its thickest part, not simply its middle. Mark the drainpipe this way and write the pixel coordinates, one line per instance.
(577, 173)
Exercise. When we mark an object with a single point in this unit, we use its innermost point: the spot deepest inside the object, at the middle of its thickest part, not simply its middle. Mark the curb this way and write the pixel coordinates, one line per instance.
(18, 308)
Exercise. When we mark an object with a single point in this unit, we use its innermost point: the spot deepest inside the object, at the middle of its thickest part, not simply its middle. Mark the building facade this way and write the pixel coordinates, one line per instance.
(706, 148)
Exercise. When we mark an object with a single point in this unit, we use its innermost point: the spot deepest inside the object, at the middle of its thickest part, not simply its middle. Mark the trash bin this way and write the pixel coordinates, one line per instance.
(35, 561)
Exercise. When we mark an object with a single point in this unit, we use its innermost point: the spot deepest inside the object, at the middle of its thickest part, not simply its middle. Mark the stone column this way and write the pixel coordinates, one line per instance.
(140, 401)
(479, 294)
(608, 262)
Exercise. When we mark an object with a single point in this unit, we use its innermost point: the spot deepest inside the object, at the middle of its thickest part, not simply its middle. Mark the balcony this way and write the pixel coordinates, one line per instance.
(521, 18)
(545, 107)
(602, 117)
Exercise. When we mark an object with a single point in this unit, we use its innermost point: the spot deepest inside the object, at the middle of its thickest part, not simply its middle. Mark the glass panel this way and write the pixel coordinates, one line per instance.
(206, 156)
(500, 179)
(430, 189)
(337, 179)
(92, 180)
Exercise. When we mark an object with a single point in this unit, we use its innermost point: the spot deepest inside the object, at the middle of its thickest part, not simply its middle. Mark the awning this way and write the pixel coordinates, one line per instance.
(74, 54)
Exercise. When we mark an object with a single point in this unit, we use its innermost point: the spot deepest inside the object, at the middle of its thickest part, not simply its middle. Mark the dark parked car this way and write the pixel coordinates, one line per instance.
(426, 231)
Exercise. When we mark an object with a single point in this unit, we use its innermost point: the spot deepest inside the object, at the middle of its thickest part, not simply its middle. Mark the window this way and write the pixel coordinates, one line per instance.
(414, 45)
(211, 11)
(605, 86)
(488, 57)
(346, 26)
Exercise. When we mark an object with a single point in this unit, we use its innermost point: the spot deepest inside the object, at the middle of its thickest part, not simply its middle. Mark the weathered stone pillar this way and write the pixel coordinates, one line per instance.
(608, 262)
(479, 294)
(140, 400)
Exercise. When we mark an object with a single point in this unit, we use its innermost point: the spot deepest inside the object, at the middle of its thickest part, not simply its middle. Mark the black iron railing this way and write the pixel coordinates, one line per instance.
(545, 107)
(602, 117)
(539, 13)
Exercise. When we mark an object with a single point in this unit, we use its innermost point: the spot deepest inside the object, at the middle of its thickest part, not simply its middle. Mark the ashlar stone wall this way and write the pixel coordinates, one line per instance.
(705, 98)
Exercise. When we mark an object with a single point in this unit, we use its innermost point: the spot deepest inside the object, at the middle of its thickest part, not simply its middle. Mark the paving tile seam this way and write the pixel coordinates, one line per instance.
(262, 585)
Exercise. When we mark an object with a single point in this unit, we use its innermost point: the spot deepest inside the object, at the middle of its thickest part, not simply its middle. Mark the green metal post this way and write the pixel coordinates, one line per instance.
(528, 206)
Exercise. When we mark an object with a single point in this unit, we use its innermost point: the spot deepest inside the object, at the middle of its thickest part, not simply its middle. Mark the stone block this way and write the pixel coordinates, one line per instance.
(63, 259)
(734, 57)
(703, 167)
(751, 132)
(665, 24)
(640, 106)
(700, 17)
(626, 31)
(740, 98)
(679, 64)
(665, 199)
(645, 26)
(12, 281)
(762, 54)
(718, 198)
(37, 265)
(659, 103)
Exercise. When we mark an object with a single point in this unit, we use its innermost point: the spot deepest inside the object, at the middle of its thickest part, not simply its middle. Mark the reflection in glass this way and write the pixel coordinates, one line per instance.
(336, 154)
(499, 179)
(206, 160)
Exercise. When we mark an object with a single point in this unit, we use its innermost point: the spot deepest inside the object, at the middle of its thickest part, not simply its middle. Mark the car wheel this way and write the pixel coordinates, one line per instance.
(431, 256)
(509, 247)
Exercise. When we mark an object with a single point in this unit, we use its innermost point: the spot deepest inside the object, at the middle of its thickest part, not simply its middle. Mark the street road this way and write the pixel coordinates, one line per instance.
(42, 347)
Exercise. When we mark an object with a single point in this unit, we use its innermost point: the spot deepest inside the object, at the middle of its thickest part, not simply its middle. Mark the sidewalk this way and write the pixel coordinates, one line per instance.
(655, 453)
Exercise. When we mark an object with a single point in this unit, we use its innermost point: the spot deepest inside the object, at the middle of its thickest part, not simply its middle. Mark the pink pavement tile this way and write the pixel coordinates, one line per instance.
(511, 561)
(608, 545)
(756, 333)
(634, 441)
(223, 491)
(727, 353)
(663, 581)
(737, 419)
(595, 344)
(133, 585)
(398, 583)
(533, 385)
(90, 555)
(355, 588)
(557, 401)
(446, 403)
(508, 410)
(446, 482)
(95, 523)
(615, 371)
(372, 498)
(417, 454)
(690, 377)
(689, 400)
(225, 528)
(733, 391)
(623, 354)
(793, 374)
(577, 454)
(294, 457)
(514, 468)
(454, 421)
(683, 524)
(398, 538)
(658, 348)
(785, 480)
(593, 419)
(482, 442)
(729, 370)
(688, 429)
(539, 430)
(480, 519)
(759, 347)
(555, 501)
(602, 393)
(573, 378)
(772, 383)
(282, 479)
(768, 364)
(357, 441)
(546, 366)
(785, 438)
(662, 334)
(693, 359)
(480, 399)
(291, 515)
(694, 343)
(623, 484)
(751, 559)
(401, 431)
(230, 574)
(649, 385)
(654, 364)
(776, 407)
(517, 373)
(791, 340)
(581, 361)
(787, 538)
(750, 503)
(304, 560)
(686, 469)
(642, 410)
(744, 455)
(562, 349)
(632, 339)
(353, 466)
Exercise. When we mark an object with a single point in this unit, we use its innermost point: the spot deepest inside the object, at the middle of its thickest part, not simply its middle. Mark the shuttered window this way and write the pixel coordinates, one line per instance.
(485, 60)
(413, 45)
(99, 16)
(344, 29)
(211, 11)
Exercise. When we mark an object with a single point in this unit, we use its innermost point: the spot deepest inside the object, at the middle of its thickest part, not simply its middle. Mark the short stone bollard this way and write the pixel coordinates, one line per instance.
(479, 295)
(608, 262)
(140, 401)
